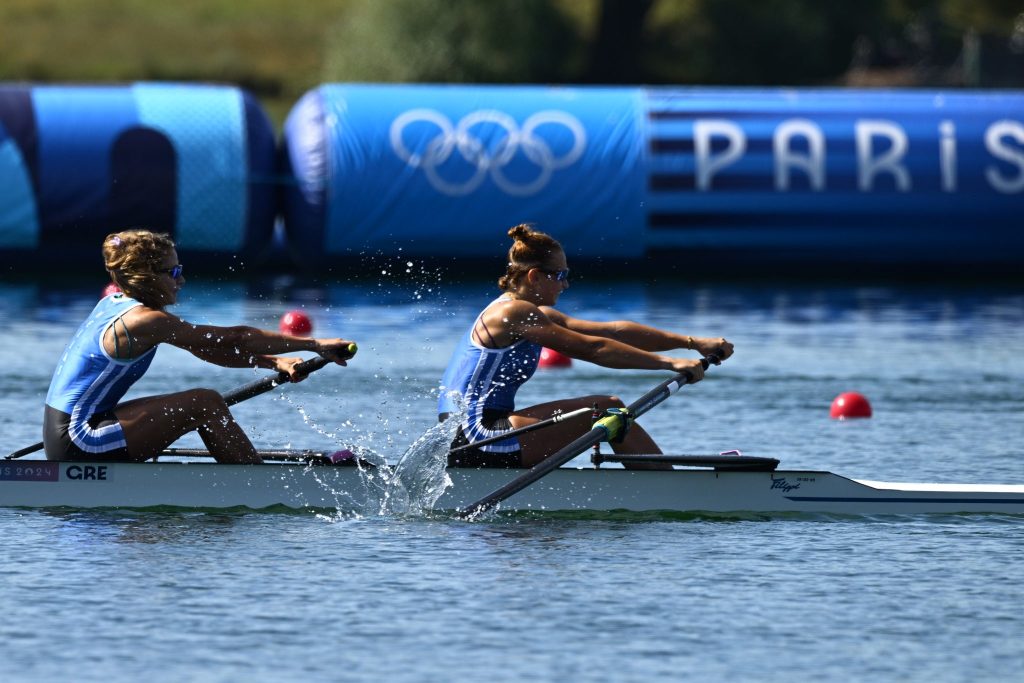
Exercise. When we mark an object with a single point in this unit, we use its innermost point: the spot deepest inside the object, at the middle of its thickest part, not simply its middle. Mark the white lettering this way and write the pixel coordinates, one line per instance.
(889, 162)
(997, 147)
(708, 166)
(813, 163)
(947, 155)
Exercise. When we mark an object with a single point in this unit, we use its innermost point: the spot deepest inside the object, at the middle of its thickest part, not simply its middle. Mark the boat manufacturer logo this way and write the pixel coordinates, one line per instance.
(493, 153)
(783, 485)
(87, 472)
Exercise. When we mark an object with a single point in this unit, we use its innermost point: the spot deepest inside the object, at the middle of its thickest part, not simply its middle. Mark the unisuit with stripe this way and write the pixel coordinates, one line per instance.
(88, 380)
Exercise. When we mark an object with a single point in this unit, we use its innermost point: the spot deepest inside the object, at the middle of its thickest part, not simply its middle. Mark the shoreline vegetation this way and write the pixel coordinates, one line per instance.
(279, 50)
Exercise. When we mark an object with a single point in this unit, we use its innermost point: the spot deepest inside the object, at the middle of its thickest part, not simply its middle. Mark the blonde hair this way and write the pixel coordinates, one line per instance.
(530, 249)
(132, 258)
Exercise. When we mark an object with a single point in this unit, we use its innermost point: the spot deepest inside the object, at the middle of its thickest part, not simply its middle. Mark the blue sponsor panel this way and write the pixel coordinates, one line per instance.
(439, 171)
(195, 161)
(837, 176)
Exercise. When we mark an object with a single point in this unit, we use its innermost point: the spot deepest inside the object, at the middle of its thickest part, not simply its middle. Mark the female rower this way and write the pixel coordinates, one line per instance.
(501, 349)
(115, 345)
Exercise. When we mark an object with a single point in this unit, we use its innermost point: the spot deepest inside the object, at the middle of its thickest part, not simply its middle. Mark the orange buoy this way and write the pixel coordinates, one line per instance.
(849, 405)
(110, 289)
(549, 358)
(296, 323)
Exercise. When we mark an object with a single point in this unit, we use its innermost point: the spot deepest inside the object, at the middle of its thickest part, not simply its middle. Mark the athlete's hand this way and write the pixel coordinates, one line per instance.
(713, 346)
(336, 350)
(692, 368)
(289, 367)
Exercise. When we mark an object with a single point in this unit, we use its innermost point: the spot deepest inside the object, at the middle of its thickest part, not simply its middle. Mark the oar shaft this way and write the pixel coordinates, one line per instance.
(261, 386)
(561, 417)
(266, 454)
(25, 451)
(536, 472)
(636, 409)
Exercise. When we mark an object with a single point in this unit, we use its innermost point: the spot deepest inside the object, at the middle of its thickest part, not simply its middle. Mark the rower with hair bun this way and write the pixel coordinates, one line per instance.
(501, 349)
(84, 419)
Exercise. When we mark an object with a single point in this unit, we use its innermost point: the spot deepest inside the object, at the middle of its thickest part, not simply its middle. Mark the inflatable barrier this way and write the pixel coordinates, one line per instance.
(751, 177)
(77, 163)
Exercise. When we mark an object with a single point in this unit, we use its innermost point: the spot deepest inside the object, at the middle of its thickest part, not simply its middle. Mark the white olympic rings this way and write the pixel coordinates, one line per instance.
(477, 153)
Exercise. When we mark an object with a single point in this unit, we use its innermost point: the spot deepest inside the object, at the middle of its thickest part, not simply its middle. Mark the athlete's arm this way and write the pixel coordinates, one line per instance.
(527, 321)
(234, 347)
(642, 336)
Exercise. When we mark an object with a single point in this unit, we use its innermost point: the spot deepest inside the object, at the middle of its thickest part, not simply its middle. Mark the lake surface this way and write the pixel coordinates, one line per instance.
(171, 596)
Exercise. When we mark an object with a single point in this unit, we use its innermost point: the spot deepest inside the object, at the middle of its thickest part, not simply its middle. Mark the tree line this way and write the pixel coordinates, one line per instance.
(977, 43)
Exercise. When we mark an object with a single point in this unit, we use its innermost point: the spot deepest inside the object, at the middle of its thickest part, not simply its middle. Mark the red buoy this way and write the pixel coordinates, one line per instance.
(110, 289)
(849, 405)
(549, 358)
(296, 323)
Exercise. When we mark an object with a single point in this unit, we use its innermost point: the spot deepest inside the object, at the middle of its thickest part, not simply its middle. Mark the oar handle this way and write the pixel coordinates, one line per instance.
(595, 435)
(261, 386)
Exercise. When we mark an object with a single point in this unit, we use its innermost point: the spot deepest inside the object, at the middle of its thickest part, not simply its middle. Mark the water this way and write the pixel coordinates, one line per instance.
(406, 596)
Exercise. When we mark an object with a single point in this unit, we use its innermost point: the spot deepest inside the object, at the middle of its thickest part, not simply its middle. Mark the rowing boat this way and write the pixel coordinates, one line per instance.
(698, 484)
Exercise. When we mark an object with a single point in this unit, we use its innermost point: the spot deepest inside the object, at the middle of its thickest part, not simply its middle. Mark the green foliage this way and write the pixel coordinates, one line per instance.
(272, 47)
(281, 48)
(759, 42)
(466, 41)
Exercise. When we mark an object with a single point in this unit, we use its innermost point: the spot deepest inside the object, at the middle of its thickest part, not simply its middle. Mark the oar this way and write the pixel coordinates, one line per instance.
(343, 457)
(605, 428)
(523, 430)
(242, 393)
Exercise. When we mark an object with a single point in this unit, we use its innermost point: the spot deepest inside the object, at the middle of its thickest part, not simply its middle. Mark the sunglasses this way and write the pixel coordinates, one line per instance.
(560, 275)
(175, 272)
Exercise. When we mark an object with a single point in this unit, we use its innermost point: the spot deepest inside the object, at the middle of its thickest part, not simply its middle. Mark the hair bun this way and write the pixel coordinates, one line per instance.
(521, 232)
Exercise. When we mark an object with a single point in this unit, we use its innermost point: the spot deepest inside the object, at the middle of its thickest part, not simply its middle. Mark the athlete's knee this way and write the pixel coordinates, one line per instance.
(603, 401)
(207, 400)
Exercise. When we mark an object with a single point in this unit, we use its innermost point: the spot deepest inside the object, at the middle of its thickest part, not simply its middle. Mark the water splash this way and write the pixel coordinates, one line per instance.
(419, 479)
(409, 488)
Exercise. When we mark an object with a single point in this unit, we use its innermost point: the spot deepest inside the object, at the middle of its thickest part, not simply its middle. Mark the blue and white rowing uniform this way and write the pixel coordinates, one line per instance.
(487, 380)
(79, 422)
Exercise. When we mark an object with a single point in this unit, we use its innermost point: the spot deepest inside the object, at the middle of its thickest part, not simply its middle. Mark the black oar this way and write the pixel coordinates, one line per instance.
(523, 430)
(242, 393)
(604, 429)
(342, 458)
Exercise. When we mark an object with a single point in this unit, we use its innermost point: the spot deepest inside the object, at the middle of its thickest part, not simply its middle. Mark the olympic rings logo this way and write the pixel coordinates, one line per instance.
(488, 157)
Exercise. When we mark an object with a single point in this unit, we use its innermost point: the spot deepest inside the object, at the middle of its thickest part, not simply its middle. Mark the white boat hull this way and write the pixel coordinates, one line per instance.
(203, 485)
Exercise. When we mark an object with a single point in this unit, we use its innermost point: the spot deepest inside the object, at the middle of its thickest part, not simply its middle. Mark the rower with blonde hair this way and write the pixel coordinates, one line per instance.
(501, 350)
(84, 417)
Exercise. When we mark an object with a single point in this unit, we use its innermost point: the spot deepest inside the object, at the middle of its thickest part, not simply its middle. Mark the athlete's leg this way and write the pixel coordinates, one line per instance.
(153, 423)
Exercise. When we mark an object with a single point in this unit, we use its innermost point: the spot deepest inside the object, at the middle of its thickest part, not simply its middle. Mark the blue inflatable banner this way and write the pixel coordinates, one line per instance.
(844, 176)
(444, 171)
(77, 163)
(741, 175)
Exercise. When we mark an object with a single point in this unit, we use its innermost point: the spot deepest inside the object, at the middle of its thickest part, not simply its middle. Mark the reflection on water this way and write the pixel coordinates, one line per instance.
(808, 303)
(88, 527)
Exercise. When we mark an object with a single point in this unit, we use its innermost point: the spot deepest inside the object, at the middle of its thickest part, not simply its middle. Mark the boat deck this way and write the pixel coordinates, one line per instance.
(298, 485)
